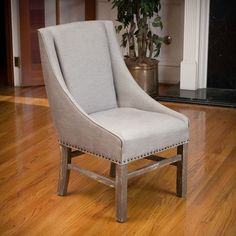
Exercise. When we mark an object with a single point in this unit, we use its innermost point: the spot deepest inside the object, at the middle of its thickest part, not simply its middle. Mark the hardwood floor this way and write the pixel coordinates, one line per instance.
(29, 161)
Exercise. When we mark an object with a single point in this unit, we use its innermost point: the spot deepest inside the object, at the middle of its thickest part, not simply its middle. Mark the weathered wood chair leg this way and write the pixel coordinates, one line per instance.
(64, 171)
(181, 178)
(121, 193)
(113, 170)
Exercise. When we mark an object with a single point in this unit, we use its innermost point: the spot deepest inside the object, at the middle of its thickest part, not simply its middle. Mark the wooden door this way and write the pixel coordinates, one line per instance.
(31, 19)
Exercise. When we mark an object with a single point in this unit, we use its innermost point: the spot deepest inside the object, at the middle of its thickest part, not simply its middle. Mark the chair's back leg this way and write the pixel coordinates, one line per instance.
(181, 178)
(113, 170)
(121, 192)
(64, 171)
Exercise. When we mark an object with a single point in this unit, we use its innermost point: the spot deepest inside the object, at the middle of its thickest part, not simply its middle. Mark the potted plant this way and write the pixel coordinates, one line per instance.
(138, 21)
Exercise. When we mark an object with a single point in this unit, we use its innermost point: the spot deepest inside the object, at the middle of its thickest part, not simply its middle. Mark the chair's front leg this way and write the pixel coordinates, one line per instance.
(64, 171)
(181, 178)
(113, 170)
(121, 192)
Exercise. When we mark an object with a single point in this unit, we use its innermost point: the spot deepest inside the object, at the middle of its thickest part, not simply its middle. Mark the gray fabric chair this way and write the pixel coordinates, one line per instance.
(98, 108)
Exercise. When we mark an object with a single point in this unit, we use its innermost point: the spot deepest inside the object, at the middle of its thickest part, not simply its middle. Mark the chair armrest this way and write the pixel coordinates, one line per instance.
(128, 92)
(131, 95)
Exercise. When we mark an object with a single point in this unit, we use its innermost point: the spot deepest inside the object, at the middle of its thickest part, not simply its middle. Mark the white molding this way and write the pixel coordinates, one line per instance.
(196, 30)
(169, 63)
(189, 65)
(15, 39)
(203, 43)
(168, 74)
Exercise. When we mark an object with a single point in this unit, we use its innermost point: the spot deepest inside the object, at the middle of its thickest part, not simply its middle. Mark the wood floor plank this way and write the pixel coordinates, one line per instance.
(29, 161)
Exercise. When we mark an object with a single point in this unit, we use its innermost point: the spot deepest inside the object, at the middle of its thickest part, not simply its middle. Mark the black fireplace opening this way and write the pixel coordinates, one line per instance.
(221, 72)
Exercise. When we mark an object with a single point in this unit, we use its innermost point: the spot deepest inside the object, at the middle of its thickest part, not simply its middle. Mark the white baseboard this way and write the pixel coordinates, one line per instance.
(169, 74)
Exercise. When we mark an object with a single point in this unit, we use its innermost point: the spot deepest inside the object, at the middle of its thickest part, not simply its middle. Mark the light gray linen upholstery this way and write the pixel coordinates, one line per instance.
(142, 132)
(84, 57)
(88, 127)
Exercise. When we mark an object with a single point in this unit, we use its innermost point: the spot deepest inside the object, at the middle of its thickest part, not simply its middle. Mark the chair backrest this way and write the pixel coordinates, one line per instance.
(83, 53)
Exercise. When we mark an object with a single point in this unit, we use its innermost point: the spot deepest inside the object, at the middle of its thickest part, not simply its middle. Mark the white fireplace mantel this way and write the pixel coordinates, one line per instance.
(193, 73)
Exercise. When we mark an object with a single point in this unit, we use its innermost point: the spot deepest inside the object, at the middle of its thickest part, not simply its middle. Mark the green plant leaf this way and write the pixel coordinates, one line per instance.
(157, 22)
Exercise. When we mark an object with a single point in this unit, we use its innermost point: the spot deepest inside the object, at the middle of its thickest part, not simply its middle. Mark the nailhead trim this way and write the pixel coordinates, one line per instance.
(122, 162)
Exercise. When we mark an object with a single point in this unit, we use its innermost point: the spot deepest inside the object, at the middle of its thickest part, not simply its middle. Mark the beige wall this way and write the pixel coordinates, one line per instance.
(173, 18)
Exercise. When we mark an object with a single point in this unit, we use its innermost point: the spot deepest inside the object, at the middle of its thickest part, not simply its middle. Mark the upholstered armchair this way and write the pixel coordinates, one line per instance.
(99, 109)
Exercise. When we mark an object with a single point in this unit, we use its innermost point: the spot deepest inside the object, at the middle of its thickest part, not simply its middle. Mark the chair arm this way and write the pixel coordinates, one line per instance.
(129, 94)
(78, 129)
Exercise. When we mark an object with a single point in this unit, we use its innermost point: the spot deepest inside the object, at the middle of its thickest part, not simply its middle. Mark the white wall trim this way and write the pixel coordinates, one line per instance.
(168, 74)
(189, 65)
(16, 39)
(193, 73)
(203, 43)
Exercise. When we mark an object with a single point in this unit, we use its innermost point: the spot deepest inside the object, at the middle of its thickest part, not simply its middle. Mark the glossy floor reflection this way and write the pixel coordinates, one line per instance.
(29, 161)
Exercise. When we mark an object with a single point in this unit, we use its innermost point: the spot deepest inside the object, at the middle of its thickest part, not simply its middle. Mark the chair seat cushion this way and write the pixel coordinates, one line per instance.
(142, 132)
